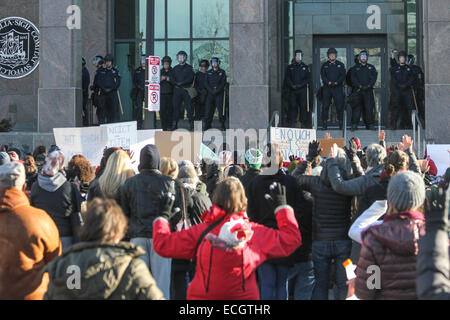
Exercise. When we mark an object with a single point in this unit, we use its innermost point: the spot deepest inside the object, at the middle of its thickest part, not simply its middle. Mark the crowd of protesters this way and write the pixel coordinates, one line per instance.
(222, 230)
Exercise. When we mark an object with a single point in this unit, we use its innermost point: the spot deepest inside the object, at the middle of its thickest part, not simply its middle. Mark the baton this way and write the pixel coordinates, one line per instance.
(415, 101)
(120, 102)
(307, 98)
(223, 105)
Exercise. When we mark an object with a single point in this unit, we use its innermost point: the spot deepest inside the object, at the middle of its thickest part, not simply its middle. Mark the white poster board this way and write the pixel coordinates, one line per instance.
(89, 142)
(440, 154)
(293, 141)
(121, 135)
(144, 137)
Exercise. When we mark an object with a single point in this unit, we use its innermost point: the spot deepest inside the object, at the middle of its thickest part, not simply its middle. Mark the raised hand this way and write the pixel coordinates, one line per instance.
(314, 150)
(407, 142)
(166, 206)
(382, 135)
(333, 151)
(276, 196)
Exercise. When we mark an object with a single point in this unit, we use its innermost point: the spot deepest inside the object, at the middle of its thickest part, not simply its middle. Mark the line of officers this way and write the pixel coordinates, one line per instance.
(407, 90)
(199, 93)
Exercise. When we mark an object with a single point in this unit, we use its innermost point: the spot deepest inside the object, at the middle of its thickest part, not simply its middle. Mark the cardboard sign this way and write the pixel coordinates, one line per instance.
(326, 145)
(154, 96)
(89, 142)
(122, 134)
(440, 154)
(292, 141)
(154, 67)
(179, 145)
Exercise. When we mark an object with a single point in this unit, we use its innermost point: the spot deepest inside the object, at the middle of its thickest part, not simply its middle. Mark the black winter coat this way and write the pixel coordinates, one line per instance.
(261, 212)
(249, 176)
(331, 212)
(140, 198)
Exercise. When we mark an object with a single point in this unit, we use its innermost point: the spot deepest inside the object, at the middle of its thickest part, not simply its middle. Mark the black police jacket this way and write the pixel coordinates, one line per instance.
(86, 80)
(298, 76)
(403, 77)
(139, 78)
(166, 86)
(182, 75)
(333, 72)
(364, 76)
(107, 79)
(200, 80)
(348, 78)
(216, 81)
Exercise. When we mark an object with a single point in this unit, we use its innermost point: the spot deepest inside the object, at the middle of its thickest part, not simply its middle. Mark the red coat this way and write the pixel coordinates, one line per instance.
(227, 275)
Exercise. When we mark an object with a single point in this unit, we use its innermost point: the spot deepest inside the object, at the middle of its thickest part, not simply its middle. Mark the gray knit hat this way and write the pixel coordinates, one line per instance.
(406, 191)
(12, 175)
(4, 158)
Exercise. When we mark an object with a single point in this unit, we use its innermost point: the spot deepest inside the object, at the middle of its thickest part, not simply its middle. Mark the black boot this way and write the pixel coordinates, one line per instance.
(325, 125)
(223, 128)
(354, 127)
(191, 125)
(341, 125)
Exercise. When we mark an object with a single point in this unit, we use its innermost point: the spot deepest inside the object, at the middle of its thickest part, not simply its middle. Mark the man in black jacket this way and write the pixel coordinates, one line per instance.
(139, 84)
(298, 77)
(216, 80)
(140, 199)
(253, 161)
(182, 77)
(166, 94)
(202, 91)
(86, 80)
(273, 274)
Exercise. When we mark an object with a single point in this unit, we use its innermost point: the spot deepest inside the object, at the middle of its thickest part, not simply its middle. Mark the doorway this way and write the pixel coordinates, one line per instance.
(348, 47)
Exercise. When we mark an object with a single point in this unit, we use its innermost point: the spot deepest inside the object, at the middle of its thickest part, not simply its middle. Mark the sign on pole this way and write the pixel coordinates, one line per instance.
(154, 89)
(292, 141)
(121, 135)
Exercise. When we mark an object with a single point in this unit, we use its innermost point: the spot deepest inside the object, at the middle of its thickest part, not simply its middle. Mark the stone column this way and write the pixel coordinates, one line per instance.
(437, 80)
(250, 77)
(60, 93)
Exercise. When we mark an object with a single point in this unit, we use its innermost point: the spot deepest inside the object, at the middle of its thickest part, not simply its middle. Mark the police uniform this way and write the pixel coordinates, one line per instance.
(419, 89)
(86, 80)
(333, 72)
(139, 84)
(403, 78)
(298, 76)
(200, 100)
(108, 81)
(364, 78)
(166, 100)
(182, 77)
(216, 81)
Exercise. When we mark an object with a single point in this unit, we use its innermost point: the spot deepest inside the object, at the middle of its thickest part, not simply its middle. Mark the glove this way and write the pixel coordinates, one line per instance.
(276, 196)
(436, 208)
(166, 209)
(314, 150)
(351, 150)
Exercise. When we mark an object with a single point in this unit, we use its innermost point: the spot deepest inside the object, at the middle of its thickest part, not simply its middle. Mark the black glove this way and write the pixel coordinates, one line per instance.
(351, 150)
(314, 150)
(436, 208)
(166, 209)
(276, 196)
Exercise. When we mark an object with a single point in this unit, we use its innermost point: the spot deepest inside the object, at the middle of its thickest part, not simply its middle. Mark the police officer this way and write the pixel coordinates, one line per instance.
(200, 86)
(352, 94)
(419, 86)
(98, 62)
(139, 85)
(403, 78)
(182, 77)
(333, 75)
(108, 80)
(216, 81)
(86, 80)
(298, 77)
(364, 77)
(166, 94)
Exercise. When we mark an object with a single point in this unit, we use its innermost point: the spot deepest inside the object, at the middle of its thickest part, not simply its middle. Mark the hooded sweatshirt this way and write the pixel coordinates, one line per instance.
(61, 200)
(108, 272)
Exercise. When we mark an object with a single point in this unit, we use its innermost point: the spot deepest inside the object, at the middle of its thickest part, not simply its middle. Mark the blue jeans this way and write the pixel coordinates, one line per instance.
(273, 281)
(323, 253)
(160, 267)
(301, 277)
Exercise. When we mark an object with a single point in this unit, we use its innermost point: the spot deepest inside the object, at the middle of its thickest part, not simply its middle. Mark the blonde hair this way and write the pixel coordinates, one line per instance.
(229, 195)
(169, 167)
(115, 174)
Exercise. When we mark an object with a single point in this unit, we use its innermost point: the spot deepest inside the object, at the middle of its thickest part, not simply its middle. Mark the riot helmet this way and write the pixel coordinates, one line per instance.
(330, 52)
(364, 56)
(182, 57)
(215, 62)
(411, 59)
(298, 56)
(402, 56)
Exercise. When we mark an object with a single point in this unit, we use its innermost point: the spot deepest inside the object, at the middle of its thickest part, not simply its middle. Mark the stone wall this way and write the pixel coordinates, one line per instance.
(18, 98)
(437, 74)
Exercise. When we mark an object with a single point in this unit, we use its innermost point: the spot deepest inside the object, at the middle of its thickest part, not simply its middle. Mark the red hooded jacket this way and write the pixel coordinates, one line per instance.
(227, 275)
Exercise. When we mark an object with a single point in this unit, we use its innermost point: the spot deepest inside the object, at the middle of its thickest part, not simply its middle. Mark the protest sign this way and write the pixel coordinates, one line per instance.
(122, 134)
(326, 145)
(292, 141)
(89, 142)
(144, 137)
(440, 154)
(179, 145)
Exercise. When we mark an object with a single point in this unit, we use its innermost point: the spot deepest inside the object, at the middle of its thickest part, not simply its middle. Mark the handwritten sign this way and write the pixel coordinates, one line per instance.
(293, 141)
(122, 135)
(89, 142)
(440, 154)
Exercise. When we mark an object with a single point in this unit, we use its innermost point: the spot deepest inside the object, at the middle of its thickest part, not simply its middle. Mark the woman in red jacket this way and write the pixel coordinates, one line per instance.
(228, 247)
